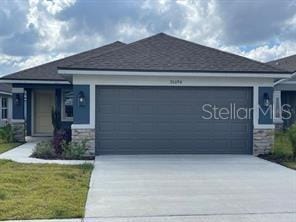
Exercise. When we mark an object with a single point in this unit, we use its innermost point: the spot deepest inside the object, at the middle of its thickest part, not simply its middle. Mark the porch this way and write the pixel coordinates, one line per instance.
(33, 107)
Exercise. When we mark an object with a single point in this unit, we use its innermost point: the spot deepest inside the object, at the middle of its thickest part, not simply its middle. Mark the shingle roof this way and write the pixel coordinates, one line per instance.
(6, 88)
(287, 63)
(162, 52)
(48, 71)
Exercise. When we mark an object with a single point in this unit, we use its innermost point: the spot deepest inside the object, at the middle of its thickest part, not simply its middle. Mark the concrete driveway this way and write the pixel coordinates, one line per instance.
(190, 187)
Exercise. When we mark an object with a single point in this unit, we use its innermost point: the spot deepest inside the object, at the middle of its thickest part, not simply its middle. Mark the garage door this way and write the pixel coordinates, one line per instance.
(170, 120)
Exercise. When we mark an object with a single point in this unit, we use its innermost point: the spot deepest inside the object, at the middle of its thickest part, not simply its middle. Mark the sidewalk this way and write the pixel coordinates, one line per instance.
(21, 154)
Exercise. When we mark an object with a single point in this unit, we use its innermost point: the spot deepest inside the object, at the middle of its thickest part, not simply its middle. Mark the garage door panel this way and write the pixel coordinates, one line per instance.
(152, 120)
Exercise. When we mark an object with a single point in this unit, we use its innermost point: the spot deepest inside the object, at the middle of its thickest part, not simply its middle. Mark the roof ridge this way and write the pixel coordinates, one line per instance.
(283, 58)
(225, 52)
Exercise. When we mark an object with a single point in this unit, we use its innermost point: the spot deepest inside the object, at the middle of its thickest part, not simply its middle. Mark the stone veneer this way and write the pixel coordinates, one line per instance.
(89, 134)
(18, 131)
(262, 141)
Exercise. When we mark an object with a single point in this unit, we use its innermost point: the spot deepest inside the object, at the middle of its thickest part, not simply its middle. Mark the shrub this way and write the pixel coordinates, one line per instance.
(292, 137)
(44, 150)
(59, 137)
(55, 120)
(74, 150)
(6, 134)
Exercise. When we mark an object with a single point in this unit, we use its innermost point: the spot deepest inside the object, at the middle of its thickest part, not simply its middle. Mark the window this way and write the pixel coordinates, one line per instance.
(4, 108)
(67, 105)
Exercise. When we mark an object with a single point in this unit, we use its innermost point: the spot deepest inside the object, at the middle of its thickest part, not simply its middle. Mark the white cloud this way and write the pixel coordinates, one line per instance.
(86, 25)
(201, 22)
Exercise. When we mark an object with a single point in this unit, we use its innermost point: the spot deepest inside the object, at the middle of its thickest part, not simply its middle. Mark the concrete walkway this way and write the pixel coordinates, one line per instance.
(21, 154)
(190, 188)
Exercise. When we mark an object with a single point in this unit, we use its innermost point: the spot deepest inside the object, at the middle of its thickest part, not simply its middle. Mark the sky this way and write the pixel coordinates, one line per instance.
(33, 32)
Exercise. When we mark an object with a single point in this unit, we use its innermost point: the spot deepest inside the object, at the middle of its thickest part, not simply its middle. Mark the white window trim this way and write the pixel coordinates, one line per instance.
(63, 117)
(277, 96)
(4, 108)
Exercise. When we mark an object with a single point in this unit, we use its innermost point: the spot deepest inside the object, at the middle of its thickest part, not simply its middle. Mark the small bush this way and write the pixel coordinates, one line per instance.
(6, 134)
(57, 141)
(292, 137)
(44, 150)
(74, 150)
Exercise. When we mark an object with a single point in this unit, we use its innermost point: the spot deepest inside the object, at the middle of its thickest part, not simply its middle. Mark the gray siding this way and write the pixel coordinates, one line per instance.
(166, 120)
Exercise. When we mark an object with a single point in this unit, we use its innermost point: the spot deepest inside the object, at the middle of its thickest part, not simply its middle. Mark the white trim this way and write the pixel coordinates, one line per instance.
(33, 81)
(181, 74)
(82, 126)
(5, 93)
(265, 126)
(17, 90)
(4, 108)
(277, 95)
(63, 117)
(284, 80)
(92, 105)
(17, 120)
(288, 82)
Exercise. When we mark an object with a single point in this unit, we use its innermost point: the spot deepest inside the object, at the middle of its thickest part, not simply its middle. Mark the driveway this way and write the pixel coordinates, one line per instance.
(187, 187)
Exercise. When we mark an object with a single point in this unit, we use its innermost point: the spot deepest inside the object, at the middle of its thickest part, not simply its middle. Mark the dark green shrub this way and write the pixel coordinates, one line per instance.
(292, 137)
(74, 150)
(55, 120)
(6, 134)
(44, 150)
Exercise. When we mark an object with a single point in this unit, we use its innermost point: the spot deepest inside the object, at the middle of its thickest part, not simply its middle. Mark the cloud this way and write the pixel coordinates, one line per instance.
(45, 30)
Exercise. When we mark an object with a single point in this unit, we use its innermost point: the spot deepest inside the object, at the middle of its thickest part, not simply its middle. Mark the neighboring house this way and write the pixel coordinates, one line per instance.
(5, 103)
(148, 97)
(285, 93)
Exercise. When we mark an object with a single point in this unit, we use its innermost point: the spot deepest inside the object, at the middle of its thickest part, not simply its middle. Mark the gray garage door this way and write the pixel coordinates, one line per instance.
(169, 120)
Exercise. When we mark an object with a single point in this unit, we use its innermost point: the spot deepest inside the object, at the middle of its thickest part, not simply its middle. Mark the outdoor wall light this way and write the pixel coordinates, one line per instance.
(266, 100)
(17, 99)
(81, 99)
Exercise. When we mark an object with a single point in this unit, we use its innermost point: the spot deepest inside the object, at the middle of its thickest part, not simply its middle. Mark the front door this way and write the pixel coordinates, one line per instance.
(43, 104)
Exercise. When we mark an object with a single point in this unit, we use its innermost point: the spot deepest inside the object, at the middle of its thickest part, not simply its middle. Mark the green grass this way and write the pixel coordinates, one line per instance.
(42, 191)
(7, 146)
(290, 164)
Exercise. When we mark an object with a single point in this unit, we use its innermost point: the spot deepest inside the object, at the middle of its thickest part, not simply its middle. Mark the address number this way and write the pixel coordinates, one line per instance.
(176, 81)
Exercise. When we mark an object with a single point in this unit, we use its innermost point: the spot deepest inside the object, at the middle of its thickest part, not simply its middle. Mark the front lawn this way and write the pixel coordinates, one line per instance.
(282, 151)
(43, 191)
(7, 146)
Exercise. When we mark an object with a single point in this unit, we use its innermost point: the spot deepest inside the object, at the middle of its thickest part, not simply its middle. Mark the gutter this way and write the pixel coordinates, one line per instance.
(33, 81)
(282, 80)
(177, 74)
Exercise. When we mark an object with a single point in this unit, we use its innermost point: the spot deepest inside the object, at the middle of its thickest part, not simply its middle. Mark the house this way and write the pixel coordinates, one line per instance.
(158, 95)
(5, 104)
(285, 93)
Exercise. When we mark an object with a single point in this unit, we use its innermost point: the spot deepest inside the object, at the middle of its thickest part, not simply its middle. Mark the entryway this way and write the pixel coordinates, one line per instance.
(43, 103)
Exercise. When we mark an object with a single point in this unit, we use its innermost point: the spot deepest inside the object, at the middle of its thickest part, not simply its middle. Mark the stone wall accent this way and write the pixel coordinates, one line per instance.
(18, 131)
(262, 141)
(85, 134)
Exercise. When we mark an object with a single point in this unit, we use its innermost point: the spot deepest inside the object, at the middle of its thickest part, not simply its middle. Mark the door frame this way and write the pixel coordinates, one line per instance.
(33, 116)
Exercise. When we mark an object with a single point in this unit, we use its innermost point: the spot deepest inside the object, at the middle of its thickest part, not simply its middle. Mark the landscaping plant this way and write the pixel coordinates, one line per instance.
(44, 150)
(6, 134)
(292, 137)
(74, 150)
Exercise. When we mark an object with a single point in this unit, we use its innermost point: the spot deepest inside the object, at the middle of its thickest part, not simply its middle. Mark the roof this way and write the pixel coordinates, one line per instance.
(286, 63)
(5, 88)
(48, 71)
(162, 52)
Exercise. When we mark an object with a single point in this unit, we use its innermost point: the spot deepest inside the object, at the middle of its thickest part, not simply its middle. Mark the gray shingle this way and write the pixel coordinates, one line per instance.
(162, 52)
(48, 71)
(5, 88)
(287, 63)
